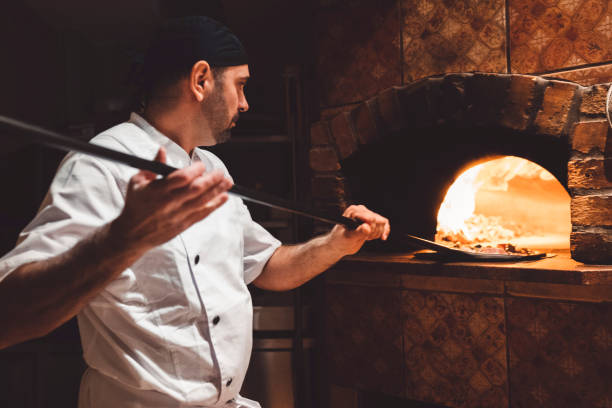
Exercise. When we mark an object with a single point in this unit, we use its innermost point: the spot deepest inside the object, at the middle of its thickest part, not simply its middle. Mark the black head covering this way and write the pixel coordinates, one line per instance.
(181, 42)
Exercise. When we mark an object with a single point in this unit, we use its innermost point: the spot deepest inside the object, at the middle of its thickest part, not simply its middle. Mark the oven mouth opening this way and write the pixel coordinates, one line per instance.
(508, 200)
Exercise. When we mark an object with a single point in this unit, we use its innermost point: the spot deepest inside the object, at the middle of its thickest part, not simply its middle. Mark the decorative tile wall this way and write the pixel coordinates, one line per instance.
(548, 35)
(455, 349)
(440, 348)
(358, 50)
(452, 36)
(364, 340)
(560, 354)
(364, 46)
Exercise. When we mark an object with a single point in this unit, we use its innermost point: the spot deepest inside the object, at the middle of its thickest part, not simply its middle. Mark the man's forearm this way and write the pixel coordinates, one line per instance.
(293, 265)
(38, 297)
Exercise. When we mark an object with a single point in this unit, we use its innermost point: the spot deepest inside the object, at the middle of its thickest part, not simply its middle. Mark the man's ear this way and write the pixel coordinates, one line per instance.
(200, 80)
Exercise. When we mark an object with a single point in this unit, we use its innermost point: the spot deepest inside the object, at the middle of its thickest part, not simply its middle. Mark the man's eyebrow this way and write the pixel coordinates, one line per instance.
(244, 78)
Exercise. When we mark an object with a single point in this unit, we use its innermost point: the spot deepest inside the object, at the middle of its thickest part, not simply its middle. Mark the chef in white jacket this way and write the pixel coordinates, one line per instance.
(156, 270)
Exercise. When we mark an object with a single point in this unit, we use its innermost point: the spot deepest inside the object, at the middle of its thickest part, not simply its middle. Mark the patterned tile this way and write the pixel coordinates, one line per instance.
(560, 354)
(455, 349)
(587, 76)
(358, 50)
(364, 338)
(549, 35)
(453, 36)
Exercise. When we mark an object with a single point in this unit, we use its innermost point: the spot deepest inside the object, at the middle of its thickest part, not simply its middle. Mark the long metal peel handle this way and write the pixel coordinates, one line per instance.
(59, 141)
(292, 207)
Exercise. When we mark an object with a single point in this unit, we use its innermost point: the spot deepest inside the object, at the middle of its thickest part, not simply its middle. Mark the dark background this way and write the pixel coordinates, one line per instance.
(69, 65)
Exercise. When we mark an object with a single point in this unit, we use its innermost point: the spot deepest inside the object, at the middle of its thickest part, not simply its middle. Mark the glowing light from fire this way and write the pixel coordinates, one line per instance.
(459, 204)
(503, 200)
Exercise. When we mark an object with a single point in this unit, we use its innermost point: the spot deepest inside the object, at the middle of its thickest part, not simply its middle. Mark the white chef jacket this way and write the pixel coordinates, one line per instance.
(174, 329)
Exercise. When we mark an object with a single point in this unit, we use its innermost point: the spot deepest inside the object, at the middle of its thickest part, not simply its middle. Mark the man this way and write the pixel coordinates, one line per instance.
(157, 269)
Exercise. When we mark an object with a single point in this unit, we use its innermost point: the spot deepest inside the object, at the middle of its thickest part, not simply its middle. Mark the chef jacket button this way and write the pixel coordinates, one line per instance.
(197, 259)
(216, 320)
(228, 383)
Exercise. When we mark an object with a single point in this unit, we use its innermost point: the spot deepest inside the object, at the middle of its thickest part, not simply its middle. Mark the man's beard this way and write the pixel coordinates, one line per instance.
(216, 110)
(223, 135)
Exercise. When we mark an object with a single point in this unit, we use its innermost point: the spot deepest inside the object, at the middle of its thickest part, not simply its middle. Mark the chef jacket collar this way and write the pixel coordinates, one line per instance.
(175, 155)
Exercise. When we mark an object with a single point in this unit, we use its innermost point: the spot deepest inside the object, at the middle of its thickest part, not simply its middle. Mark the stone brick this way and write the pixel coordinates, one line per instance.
(519, 102)
(324, 158)
(365, 124)
(389, 110)
(588, 173)
(450, 103)
(591, 210)
(343, 135)
(414, 103)
(328, 187)
(319, 133)
(554, 114)
(591, 247)
(590, 136)
(330, 113)
(486, 96)
(594, 101)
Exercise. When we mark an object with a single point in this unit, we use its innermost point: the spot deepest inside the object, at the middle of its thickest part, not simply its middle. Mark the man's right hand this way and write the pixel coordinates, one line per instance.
(38, 296)
(157, 210)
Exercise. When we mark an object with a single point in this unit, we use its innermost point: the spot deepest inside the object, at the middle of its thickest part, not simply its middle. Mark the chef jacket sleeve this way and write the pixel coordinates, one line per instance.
(83, 196)
(259, 245)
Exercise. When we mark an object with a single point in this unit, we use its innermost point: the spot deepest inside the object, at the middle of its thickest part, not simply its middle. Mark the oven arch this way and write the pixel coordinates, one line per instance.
(445, 122)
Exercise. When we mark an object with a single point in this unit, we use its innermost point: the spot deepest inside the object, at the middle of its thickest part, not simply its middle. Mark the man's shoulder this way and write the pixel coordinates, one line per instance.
(126, 137)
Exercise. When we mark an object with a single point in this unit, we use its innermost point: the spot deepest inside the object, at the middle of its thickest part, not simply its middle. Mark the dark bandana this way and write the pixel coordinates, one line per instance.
(181, 42)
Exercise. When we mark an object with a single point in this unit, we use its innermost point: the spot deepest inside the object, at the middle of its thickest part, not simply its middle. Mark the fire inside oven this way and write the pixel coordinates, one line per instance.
(505, 203)
(513, 190)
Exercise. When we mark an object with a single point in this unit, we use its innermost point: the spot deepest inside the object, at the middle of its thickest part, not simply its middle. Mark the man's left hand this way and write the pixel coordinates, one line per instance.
(374, 227)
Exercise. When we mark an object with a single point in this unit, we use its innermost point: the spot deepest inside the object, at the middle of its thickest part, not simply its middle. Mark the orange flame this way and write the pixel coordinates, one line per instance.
(503, 200)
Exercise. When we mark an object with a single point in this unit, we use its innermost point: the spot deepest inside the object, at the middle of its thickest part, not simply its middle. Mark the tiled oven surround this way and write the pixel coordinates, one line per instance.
(468, 335)
(452, 36)
(548, 35)
(452, 346)
(571, 117)
(365, 46)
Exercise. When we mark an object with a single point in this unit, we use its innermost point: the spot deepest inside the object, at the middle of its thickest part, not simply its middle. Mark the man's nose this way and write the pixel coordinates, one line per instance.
(243, 105)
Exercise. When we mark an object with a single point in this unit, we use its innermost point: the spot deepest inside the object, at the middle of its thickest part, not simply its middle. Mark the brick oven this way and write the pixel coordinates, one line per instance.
(400, 150)
(399, 330)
